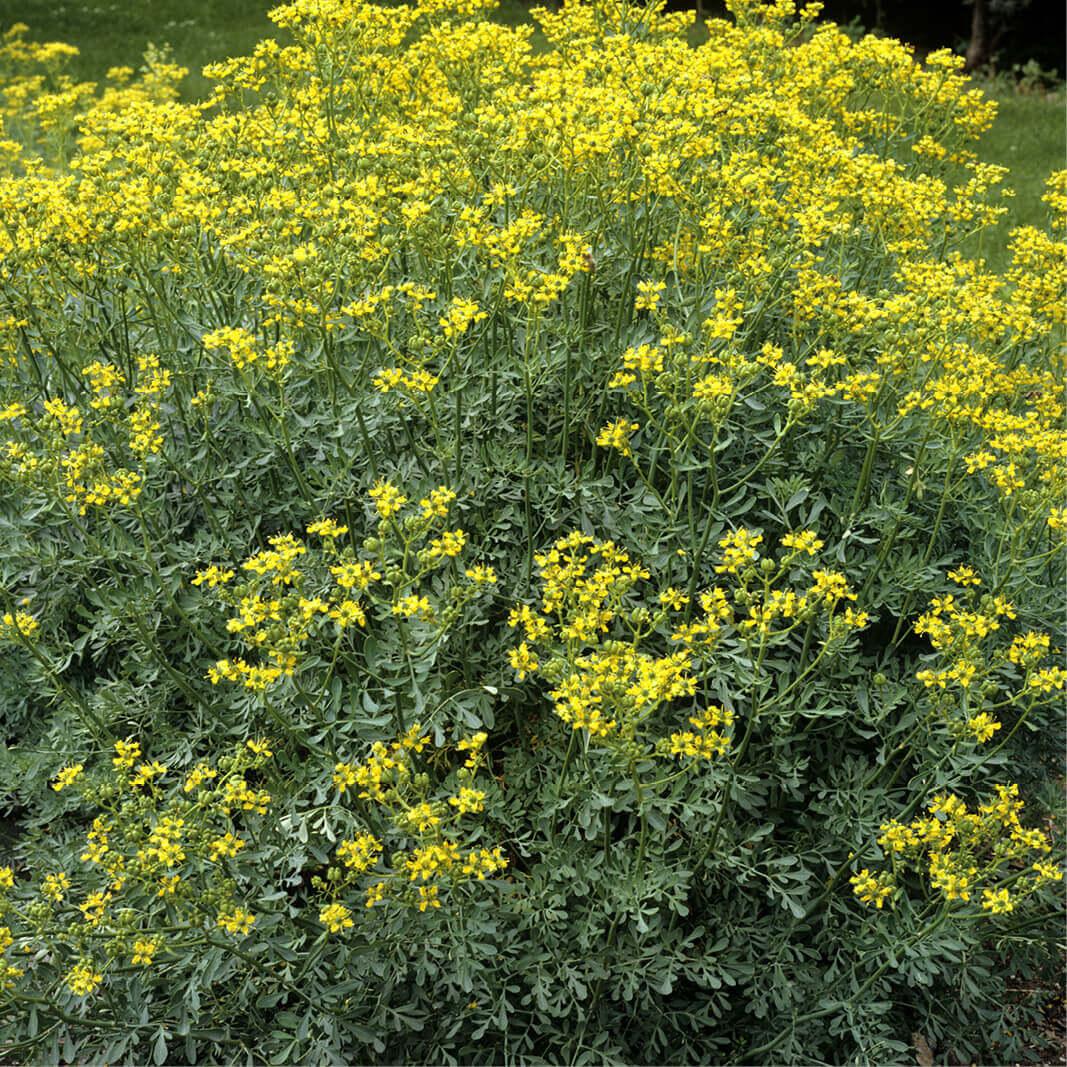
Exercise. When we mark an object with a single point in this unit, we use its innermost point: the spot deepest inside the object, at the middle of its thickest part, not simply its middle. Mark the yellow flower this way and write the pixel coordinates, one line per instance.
(997, 902)
(96, 841)
(420, 381)
(21, 622)
(388, 500)
(67, 776)
(82, 979)
(831, 587)
(227, 845)
(870, 888)
(421, 817)
(673, 598)
(704, 745)
(468, 800)
(167, 885)
(146, 772)
(474, 746)
(437, 503)
(327, 528)
(964, 576)
(428, 897)
(1047, 872)
(359, 853)
(143, 951)
(237, 921)
(522, 660)
(355, 575)
(648, 295)
(449, 544)
(482, 863)
(94, 906)
(213, 576)
(460, 316)
(337, 917)
(198, 775)
(739, 550)
(803, 541)
(54, 886)
(412, 606)
(347, 612)
(1045, 681)
(67, 419)
(982, 726)
(388, 378)
(343, 776)
(617, 435)
(237, 791)
(127, 753)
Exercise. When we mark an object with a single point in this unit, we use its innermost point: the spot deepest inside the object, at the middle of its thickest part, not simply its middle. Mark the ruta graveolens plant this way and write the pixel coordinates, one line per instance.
(525, 555)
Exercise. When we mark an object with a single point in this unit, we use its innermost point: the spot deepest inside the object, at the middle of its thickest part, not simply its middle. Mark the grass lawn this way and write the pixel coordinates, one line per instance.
(1028, 136)
(112, 33)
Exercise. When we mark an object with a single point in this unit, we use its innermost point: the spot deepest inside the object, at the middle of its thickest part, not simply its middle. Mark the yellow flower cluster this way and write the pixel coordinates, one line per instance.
(965, 852)
(359, 853)
(608, 687)
(124, 423)
(774, 611)
(709, 737)
(460, 316)
(67, 776)
(872, 888)
(739, 551)
(387, 766)
(20, 623)
(336, 918)
(407, 173)
(976, 672)
(388, 500)
(617, 435)
(82, 980)
(236, 921)
(772, 187)
(289, 598)
(144, 867)
(390, 779)
(245, 351)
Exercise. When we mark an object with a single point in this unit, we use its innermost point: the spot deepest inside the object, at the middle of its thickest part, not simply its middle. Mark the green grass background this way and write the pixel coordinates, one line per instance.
(1029, 135)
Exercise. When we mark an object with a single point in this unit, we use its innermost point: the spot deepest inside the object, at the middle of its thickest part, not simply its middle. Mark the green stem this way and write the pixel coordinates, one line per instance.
(735, 762)
(823, 1012)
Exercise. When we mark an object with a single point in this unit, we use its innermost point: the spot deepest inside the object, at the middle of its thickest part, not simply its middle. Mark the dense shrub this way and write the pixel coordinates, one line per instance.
(524, 557)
